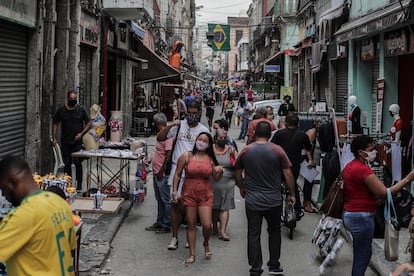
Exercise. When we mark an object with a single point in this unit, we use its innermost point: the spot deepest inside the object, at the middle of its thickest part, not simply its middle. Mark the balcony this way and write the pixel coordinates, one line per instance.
(129, 9)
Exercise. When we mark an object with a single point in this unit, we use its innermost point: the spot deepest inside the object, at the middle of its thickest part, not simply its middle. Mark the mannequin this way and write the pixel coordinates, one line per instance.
(98, 124)
(396, 126)
(354, 115)
(155, 102)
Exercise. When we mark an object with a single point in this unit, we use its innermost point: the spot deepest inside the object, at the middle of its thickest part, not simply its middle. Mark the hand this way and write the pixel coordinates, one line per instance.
(176, 123)
(218, 169)
(242, 192)
(78, 136)
(292, 200)
(54, 141)
(174, 198)
(310, 164)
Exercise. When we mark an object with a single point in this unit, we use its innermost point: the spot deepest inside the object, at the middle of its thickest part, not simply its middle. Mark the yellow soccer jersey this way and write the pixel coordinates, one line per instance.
(37, 237)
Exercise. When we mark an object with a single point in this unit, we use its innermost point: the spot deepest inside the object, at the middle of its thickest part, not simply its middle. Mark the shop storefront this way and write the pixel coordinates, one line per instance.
(89, 45)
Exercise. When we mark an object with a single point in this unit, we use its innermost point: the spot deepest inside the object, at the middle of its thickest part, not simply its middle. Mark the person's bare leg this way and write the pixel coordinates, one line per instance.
(205, 218)
(224, 220)
(176, 218)
(191, 217)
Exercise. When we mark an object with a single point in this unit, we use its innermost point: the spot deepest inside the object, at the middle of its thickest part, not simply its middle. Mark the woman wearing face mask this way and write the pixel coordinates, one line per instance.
(199, 166)
(361, 189)
(223, 189)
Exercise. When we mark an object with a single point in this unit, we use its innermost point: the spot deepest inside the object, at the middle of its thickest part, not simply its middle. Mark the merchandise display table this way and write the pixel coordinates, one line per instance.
(100, 174)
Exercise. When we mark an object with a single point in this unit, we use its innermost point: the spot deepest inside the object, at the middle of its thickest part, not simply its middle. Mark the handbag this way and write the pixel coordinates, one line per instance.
(392, 230)
(333, 204)
(168, 164)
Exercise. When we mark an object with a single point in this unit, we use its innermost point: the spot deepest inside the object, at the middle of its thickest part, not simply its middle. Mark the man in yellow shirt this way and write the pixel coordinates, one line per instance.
(38, 236)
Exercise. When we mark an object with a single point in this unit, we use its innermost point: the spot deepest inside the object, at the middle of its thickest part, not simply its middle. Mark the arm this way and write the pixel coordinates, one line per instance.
(217, 173)
(290, 182)
(162, 135)
(180, 166)
(84, 130)
(54, 133)
(378, 188)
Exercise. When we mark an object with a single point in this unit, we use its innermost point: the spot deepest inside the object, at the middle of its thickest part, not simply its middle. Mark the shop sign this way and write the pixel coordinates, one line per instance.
(395, 44)
(367, 49)
(20, 11)
(89, 31)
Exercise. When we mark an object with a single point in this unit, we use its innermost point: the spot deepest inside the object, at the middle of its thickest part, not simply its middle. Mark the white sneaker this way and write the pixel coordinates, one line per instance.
(173, 244)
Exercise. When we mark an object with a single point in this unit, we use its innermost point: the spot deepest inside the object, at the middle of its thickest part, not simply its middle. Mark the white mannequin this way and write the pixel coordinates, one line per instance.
(395, 129)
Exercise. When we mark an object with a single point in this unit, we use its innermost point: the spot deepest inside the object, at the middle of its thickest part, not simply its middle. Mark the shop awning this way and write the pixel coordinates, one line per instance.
(334, 12)
(156, 69)
(374, 22)
(194, 77)
(273, 57)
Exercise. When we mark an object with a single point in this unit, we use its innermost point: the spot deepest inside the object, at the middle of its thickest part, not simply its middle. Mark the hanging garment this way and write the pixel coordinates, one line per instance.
(346, 156)
(396, 162)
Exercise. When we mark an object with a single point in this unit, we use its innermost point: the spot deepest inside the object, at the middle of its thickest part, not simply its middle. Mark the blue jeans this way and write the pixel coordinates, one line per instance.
(254, 248)
(361, 225)
(163, 197)
(244, 127)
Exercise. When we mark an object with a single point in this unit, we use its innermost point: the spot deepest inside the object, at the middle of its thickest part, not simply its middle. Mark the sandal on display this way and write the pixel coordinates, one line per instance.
(190, 260)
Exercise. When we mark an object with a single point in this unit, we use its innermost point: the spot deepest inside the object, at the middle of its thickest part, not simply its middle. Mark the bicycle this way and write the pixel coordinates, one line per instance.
(288, 212)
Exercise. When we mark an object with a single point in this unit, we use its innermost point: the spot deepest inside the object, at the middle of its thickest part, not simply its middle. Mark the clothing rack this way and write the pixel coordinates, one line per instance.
(316, 115)
(378, 138)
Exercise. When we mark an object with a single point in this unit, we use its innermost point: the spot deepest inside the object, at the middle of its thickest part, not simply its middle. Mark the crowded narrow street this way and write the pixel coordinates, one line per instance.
(139, 252)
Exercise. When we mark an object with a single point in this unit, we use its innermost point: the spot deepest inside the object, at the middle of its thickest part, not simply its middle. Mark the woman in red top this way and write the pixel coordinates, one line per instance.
(361, 189)
(199, 166)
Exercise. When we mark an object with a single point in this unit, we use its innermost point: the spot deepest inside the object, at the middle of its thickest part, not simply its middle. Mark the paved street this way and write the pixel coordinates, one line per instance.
(139, 252)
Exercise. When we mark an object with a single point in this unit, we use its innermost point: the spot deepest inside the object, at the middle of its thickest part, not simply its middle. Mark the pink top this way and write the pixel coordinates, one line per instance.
(159, 154)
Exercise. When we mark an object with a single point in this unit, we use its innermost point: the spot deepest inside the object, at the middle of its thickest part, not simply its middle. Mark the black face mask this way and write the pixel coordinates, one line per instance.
(221, 143)
(72, 103)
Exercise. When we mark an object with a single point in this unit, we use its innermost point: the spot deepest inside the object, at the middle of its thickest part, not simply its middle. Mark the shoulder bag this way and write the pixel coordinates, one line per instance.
(168, 164)
(392, 230)
(333, 204)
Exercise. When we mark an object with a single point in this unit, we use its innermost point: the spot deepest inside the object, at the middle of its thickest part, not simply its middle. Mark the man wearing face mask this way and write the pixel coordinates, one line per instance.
(75, 123)
(188, 130)
(261, 116)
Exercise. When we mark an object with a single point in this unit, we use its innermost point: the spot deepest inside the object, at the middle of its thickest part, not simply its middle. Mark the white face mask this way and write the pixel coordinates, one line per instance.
(372, 155)
(202, 146)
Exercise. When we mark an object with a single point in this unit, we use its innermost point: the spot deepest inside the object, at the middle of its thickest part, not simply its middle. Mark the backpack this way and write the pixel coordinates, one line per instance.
(326, 136)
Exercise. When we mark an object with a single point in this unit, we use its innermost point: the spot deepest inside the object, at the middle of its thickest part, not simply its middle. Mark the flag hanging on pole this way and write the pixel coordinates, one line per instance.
(221, 39)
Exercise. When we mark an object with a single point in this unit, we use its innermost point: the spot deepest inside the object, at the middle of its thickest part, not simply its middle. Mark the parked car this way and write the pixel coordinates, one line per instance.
(273, 103)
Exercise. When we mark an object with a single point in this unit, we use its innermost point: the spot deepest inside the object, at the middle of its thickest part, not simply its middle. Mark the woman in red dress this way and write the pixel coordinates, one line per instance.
(199, 165)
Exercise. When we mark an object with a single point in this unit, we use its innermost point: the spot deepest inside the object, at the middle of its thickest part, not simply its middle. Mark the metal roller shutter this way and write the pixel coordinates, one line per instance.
(323, 83)
(341, 85)
(13, 68)
(375, 76)
(85, 76)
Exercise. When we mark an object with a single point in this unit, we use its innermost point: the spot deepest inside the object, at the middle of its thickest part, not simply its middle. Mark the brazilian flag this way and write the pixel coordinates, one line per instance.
(221, 40)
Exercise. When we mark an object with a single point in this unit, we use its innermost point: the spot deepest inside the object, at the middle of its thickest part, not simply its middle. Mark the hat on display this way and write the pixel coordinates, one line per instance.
(95, 111)
(394, 108)
(176, 91)
(287, 96)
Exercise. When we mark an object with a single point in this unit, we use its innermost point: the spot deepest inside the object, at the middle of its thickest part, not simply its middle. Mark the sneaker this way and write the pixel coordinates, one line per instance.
(173, 244)
(154, 227)
(276, 271)
(187, 245)
(163, 230)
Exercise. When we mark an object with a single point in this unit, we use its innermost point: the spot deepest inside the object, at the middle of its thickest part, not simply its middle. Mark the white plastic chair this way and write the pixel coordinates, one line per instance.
(59, 164)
